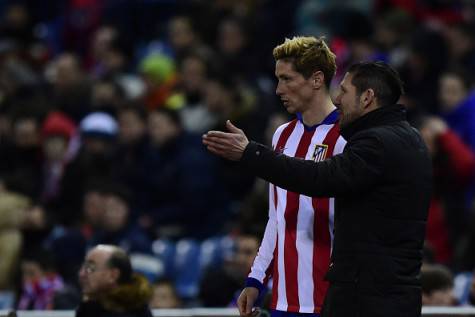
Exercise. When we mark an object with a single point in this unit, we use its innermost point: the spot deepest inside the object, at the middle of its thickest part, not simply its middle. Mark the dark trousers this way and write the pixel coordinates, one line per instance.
(377, 300)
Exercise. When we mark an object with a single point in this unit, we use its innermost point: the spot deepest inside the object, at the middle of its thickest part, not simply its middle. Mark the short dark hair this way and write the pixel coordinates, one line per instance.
(380, 77)
(121, 261)
(171, 114)
(462, 74)
(435, 277)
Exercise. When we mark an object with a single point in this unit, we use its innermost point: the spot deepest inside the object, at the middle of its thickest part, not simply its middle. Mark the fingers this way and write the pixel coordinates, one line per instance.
(249, 305)
(232, 128)
(216, 151)
(213, 138)
(242, 305)
(217, 134)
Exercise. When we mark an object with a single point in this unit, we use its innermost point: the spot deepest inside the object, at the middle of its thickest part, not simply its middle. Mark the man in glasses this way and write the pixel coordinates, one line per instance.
(109, 286)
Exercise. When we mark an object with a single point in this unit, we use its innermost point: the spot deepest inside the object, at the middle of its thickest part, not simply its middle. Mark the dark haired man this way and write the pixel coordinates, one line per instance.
(381, 184)
(109, 286)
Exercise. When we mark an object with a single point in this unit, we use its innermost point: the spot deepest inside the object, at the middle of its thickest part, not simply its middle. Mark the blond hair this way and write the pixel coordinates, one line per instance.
(308, 54)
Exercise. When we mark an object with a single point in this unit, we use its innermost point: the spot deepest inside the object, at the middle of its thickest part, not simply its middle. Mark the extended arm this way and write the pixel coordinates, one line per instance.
(357, 168)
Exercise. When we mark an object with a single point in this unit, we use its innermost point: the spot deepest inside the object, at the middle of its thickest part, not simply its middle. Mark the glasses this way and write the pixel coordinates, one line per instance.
(89, 268)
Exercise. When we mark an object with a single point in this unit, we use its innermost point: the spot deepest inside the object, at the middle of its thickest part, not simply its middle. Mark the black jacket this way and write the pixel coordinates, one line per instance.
(127, 300)
(382, 186)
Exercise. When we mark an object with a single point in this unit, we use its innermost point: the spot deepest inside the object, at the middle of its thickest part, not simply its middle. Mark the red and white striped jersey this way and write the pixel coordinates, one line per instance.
(295, 249)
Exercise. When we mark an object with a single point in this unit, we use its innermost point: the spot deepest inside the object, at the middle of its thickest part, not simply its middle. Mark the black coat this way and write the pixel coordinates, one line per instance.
(96, 309)
(382, 186)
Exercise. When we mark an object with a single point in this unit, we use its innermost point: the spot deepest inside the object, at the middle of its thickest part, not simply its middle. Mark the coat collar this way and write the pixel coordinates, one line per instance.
(128, 297)
(381, 116)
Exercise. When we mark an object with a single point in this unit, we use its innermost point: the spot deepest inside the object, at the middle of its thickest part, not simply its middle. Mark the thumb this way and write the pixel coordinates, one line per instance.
(232, 128)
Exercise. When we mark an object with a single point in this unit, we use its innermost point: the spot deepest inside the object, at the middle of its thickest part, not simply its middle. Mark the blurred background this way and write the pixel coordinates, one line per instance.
(102, 108)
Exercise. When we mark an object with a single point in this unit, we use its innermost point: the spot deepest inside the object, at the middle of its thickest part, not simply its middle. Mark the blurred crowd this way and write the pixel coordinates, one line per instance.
(102, 108)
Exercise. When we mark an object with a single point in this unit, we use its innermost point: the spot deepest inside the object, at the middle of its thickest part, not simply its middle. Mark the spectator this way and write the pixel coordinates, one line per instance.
(57, 131)
(164, 295)
(14, 216)
(109, 286)
(40, 281)
(71, 88)
(94, 162)
(454, 168)
(117, 226)
(457, 102)
(181, 191)
(437, 286)
(220, 287)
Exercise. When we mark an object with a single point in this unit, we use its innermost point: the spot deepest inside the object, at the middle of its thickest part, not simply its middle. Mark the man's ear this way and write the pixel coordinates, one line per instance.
(318, 79)
(114, 274)
(368, 98)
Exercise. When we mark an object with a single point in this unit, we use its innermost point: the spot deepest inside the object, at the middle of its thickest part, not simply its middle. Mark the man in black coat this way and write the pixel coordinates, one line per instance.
(381, 184)
(109, 287)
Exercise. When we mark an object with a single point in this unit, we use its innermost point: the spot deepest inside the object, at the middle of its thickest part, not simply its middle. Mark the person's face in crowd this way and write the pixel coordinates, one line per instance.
(131, 127)
(116, 213)
(55, 147)
(26, 133)
(444, 297)
(16, 17)
(104, 94)
(451, 91)
(180, 33)
(31, 271)
(294, 90)
(218, 98)
(246, 251)
(94, 207)
(231, 39)
(68, 71)
(164, 296)
(95, 276)
(96, 145)
(102, 41)
(348, 102)
(161, 128)
(193, 74)
(459, 43)
(114, 61)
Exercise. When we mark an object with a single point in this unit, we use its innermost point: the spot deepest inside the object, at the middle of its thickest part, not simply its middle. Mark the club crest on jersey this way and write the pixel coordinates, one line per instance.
(320, 152)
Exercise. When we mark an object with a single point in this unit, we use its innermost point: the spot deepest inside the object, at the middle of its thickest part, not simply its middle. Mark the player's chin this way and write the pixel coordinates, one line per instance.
(290, 109)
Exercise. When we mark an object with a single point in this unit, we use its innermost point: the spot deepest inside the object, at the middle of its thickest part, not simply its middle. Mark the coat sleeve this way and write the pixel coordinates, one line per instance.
(358, 168)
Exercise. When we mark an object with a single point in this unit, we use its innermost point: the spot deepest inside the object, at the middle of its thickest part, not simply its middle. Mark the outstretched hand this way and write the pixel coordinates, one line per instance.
(230, 145)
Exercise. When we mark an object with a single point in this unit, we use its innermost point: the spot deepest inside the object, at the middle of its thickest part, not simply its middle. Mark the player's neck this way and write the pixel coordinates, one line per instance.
(319, 110)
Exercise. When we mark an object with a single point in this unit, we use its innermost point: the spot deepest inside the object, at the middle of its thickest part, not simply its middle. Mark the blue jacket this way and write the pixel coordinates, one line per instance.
(462, 120)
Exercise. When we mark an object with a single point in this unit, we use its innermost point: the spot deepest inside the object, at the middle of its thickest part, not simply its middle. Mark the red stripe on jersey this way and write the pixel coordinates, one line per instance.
(269, 270)
(322, 243)
(284, 136)
(290, 241)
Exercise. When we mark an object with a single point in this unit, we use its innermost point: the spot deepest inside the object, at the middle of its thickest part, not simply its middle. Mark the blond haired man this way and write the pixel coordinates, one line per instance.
(295, 250)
